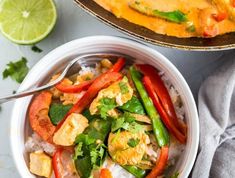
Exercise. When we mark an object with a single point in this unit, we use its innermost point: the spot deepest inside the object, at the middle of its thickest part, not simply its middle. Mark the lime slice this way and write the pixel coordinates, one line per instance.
(27, 21)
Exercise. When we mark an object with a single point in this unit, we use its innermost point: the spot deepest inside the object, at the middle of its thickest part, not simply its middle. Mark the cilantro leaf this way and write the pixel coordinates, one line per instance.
(134, 105)
(16, 70)
(126, 122)
(106, 104)
(123, 85)
(78, 150)
(85, 138)
(57, 112)
(133, 142)
(36, 49)
(97, 155)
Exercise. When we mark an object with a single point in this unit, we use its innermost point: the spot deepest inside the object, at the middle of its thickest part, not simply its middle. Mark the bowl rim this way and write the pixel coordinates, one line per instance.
(48, 59)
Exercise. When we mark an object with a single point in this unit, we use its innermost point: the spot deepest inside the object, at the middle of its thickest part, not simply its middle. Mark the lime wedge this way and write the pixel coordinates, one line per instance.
(27, 21)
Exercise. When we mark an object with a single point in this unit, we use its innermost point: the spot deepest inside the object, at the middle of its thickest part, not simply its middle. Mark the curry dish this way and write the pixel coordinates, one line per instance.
(108, 120)
(180, 18)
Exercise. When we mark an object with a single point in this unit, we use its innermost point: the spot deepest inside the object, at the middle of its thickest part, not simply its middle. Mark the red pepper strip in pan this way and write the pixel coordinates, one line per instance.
(73, 88)
(163, 94)
(168, 123)
(85, 85)
(99, 83)
(220, 16)
(56, 163)
(160, 164)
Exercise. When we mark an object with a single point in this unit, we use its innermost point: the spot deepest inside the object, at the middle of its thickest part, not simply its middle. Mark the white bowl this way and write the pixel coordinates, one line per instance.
(56, 58)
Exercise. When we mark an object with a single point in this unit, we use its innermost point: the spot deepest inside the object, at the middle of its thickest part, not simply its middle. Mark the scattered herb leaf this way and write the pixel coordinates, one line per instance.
(13, 92)
(36, 49)
(106, 104)
(78, 150)
(16, 70)
(57, 112)
(133, 142)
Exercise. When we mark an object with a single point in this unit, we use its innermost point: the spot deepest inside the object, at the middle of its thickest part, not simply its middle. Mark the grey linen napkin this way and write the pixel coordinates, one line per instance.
(216, 104)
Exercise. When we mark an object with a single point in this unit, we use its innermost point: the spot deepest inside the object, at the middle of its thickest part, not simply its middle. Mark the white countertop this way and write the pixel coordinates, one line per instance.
(74, 23)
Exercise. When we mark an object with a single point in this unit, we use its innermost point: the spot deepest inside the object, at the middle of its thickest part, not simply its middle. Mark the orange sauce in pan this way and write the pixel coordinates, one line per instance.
(192, 8)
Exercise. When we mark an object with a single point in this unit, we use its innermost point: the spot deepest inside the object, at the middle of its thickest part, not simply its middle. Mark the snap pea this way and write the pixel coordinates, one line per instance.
(137, 172)
(159, 130)
(174, 16)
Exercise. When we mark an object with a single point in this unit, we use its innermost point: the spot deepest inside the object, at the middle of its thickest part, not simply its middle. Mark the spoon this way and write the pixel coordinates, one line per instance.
(72, 67)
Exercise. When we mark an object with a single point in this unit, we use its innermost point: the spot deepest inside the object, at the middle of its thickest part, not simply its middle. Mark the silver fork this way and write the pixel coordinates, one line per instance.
(72, 67)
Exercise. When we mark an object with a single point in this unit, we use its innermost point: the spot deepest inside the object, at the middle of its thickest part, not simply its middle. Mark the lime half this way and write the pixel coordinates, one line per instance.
(27, 21)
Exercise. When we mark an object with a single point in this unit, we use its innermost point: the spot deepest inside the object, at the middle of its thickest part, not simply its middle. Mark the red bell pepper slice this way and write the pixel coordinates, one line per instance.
(220, 16)
(233, 3)
(160, 164)
(164, 116)
(210, 31)
(73, 88)
(163, 94)
(118, 65)
(62, 163)
(86, 84)
(105, 173)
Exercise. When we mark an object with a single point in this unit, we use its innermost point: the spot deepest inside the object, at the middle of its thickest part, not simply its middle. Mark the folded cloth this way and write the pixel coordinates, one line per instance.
(216, 104)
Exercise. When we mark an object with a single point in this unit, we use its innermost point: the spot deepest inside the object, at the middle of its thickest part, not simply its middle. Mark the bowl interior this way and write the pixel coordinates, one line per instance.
(53, 62)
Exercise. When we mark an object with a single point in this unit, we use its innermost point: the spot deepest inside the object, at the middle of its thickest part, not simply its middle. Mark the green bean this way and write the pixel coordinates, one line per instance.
(159, 130)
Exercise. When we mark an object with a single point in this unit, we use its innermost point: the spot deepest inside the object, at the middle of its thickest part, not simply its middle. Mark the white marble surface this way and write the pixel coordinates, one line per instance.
(73, 23)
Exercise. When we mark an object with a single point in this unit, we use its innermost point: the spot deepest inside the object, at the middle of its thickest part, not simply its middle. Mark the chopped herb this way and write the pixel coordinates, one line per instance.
(134, 105)
(78, 150)
(133, 142)
(173, 16)
(13, 92)
(97, 155)
(175, 175)
(16, 70)
(36, 49)
(84, 138)
(57, 112)
(123, 85)
(125, 122)
(106, 104)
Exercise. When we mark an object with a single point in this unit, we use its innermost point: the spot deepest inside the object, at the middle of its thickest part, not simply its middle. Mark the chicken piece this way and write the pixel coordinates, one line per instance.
(73, 126)
(121, 91)
(225, 6)
(40, 164)
(71, 98)
(122, 152)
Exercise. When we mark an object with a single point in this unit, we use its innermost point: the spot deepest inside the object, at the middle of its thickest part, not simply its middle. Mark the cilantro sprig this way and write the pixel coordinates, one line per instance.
(16, 70)
(106, 104)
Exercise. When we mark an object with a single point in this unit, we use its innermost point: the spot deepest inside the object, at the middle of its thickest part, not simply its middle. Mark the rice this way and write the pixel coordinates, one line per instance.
(35, 143)
(175, 97)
